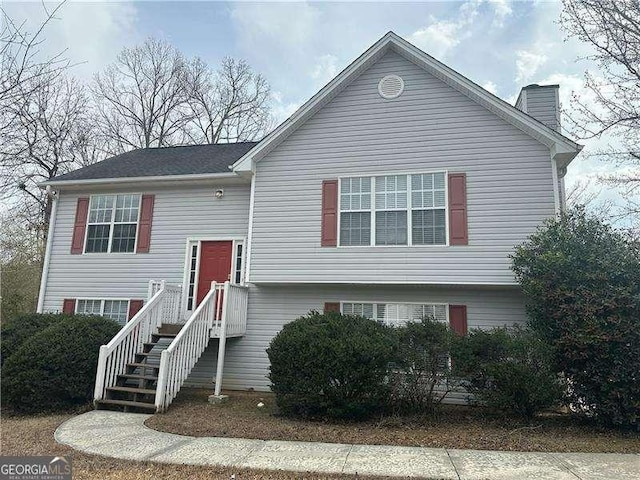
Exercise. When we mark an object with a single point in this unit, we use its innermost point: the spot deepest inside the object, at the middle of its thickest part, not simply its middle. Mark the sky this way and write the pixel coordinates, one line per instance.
(300, 46)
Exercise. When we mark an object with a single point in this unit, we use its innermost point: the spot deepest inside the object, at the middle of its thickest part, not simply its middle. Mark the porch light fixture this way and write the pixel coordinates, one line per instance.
(219, 193)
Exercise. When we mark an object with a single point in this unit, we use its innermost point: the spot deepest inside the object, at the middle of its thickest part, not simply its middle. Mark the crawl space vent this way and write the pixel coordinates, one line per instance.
(391, 86)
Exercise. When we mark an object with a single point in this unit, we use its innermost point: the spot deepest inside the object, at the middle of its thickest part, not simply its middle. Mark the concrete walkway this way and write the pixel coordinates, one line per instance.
(124, 435)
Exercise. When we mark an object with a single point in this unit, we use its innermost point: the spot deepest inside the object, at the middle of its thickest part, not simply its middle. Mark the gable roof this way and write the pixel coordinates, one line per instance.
(161, 162)
(563, 149)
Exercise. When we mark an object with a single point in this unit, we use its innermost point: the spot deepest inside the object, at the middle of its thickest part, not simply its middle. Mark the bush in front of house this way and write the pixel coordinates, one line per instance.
(16, 331)
(331, 365)
(55, 369)
(421, 378)
(581, 279)
(509, 370)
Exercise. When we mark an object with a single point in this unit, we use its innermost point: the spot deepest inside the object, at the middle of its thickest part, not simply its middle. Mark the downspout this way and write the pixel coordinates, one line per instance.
(47, 252)
(250, 227)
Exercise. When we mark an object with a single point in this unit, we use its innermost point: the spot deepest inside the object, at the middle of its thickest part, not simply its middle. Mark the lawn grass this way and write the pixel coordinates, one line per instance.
(456, 427)
(33, 435)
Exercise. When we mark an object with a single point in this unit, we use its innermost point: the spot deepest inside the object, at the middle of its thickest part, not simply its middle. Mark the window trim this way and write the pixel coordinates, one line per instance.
(111, 225)
(197, 240)
(102, 302)
(376, 302)
(409, 209)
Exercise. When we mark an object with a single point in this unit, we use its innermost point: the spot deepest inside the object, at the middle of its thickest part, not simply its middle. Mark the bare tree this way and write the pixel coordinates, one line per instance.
(48, 137)
(22, 62)
(229, 106)
(612, 28)
(142, 98)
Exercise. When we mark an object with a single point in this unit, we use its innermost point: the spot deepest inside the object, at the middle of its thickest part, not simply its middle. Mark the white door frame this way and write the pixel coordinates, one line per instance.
(197, 241)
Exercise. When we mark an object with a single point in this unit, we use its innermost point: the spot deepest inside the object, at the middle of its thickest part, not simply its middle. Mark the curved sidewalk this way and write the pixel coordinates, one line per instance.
(124, 435)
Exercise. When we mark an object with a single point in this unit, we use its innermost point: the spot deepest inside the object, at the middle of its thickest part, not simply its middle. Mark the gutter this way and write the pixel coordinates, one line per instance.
(47, 252)
(156, 178)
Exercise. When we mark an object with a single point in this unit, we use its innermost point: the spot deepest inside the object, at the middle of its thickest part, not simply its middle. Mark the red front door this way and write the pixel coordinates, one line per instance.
(215, 264)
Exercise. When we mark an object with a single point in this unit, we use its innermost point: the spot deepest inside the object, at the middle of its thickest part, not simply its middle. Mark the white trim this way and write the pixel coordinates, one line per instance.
(197, 240)
(375, 303)
(155, 178)
(247, 252)
(112, 223)
(509, 113)
(102, 301)
(408, 209)
(47, 254)
(556, 188)
(375, 282)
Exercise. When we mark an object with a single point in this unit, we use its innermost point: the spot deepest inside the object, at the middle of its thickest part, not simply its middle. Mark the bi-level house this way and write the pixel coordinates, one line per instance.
(397, 191)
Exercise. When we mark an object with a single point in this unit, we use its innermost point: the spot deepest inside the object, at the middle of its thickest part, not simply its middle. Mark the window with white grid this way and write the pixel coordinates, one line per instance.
(407, 209)
(113, 223)
(395, 314)
(117, 310)
(428, 209)
(355, 211)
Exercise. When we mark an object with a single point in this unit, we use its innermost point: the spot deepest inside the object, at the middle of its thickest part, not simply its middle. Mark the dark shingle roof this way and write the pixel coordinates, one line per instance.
(151, 162)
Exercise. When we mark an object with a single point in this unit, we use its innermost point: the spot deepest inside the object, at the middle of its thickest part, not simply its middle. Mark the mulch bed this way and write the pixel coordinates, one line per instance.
(33, 435)
(455, 427)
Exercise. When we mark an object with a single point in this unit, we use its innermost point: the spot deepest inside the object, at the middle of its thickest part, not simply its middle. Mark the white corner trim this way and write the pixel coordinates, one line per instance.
(247, 261)
(47, 254)
(556, 185)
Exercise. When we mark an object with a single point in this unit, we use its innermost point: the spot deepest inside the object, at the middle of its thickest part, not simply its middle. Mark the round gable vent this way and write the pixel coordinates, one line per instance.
(391, 86)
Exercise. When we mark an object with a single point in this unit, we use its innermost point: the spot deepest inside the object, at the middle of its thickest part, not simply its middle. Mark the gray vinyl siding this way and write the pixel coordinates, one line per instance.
(430, 127)
(271, 307)
(541, 105)
(178, 213)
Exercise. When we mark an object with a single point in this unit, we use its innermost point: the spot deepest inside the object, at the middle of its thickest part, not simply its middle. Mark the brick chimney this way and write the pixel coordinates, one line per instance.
(542, 103)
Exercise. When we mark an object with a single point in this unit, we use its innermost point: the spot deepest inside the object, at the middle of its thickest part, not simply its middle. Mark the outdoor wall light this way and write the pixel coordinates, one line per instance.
(219, 193)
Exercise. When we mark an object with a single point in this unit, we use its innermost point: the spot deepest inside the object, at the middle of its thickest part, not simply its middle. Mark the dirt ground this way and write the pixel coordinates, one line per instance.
(33, 435)
(457, 427)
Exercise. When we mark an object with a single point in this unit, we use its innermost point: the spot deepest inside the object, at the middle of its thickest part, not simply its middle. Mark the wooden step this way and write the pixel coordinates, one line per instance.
(127, 403)
(134, 376)
(143, 391)
(143, 365)
(170, 328)
(149, 354)
(163, 335)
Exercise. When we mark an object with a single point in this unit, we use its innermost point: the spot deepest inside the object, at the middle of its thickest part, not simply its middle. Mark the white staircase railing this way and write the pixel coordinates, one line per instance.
(181, 356)
(237, 298)
(172, 303)
(130, 340)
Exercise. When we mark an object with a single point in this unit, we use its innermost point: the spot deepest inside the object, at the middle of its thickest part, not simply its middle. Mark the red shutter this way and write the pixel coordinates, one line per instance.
(134, 307)
(458, 319)
(458, 234)
(144, 229)
(329, 237)
(332, 307)
(69, 306)
(80, 225)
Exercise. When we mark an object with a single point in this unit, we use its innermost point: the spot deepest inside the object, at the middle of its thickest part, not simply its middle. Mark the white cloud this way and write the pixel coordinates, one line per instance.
(491, 87)
(325, 69)
(502, 9)
(440, 37)
(91, 33)
(527, 64)
(281, 109)
(285, 25)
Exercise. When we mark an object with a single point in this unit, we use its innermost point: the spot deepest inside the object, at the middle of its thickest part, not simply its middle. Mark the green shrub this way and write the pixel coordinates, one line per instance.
(581, 279)
(331, 365)
(56, 368)
(421, 375)
(14, 332)
(509, 370)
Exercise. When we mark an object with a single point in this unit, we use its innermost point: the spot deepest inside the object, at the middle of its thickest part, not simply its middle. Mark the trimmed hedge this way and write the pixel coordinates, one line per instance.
(508, 370)
(16, 331)
(331, 365)
(55, 369)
